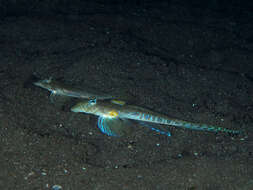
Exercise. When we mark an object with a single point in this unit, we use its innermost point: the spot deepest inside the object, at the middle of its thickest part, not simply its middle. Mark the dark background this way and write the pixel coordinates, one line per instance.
(190, 60)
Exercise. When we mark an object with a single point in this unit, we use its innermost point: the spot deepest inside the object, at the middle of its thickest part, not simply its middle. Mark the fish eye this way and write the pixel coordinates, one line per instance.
(92, 101)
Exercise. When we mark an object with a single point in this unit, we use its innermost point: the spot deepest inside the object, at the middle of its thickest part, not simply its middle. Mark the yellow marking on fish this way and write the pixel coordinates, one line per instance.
(119, 102)
(112, 114)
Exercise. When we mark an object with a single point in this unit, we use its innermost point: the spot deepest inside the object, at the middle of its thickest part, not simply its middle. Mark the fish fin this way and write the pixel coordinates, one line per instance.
(58, 100)
(114, 127)
(118, 102)
(202, 127)
(155, 127)
(52, 97)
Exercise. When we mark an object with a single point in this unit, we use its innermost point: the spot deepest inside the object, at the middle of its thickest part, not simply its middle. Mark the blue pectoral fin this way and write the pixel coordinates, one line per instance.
(114, 127)
(155, 127)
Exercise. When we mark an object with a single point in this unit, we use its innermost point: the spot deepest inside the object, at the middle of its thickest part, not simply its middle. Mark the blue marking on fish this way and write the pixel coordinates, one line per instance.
(105, 128)
(102, 108)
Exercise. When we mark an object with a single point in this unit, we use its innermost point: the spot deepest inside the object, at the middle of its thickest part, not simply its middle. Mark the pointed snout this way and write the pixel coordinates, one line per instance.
(77, 108)
(37, 84)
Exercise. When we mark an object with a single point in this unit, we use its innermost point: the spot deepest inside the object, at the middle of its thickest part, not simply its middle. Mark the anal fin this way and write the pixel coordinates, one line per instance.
(155, 127)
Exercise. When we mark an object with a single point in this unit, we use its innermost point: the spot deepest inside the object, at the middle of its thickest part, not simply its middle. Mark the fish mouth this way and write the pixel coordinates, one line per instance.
(75, 109)
(42, 83)
(38, 84)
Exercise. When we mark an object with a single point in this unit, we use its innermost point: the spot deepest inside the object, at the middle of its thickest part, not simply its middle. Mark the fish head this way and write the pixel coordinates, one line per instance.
(96, 108)
(87, 106)
(46, 84)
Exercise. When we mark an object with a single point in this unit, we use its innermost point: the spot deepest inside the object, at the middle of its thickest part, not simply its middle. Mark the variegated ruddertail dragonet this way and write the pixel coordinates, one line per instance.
(115, 118)
(60, 89)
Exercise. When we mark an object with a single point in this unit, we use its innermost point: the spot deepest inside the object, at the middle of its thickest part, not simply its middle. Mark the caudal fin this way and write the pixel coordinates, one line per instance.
(201, 127)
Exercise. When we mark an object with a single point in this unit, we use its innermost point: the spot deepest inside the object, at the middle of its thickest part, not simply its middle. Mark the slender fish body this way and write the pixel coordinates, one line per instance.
(109, 109)
(57, 88)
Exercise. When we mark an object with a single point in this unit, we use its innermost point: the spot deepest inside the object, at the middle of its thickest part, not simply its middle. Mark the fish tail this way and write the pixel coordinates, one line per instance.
(202, 127)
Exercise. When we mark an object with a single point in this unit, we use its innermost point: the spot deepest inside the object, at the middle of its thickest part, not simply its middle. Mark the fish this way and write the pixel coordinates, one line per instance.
(112, 114)
(57, 88)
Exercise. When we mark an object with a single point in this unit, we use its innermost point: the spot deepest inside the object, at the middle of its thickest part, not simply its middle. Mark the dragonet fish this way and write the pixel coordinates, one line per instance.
(57, 88)
(113, 117)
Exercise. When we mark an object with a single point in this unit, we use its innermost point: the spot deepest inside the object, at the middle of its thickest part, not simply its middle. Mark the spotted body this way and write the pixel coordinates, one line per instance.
(111, 110)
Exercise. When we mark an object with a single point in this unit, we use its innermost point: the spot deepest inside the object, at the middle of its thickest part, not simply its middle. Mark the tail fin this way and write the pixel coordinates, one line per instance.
(202, 127)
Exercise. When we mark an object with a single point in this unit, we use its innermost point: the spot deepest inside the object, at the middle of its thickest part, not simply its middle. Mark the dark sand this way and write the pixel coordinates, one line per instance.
(188, 66)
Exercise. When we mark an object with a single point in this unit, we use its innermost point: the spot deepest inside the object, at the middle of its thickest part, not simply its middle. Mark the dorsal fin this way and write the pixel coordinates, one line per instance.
(118, 102)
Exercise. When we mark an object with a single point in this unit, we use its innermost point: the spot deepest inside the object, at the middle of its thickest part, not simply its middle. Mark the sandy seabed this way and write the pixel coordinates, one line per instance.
(191, 68)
